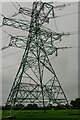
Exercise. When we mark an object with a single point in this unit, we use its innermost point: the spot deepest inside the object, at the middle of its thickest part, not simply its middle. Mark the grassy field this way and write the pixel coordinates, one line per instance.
(48, 115)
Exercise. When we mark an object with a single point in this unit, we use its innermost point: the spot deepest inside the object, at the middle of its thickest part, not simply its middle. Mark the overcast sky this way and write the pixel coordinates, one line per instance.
(65, 64)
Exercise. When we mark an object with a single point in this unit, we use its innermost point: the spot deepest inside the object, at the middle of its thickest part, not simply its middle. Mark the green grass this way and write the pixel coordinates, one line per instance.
(0, 114)
(49, 115)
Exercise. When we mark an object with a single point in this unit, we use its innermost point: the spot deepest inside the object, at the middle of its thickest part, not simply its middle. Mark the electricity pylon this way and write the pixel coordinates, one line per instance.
(31, 84)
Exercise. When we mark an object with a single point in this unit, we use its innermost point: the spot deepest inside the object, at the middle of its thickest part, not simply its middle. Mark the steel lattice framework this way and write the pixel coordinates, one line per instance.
(29, 85)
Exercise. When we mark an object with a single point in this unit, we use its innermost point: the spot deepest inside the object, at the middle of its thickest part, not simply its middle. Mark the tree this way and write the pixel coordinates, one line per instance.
(75, 103)
(32, 107)
(6, 107)
(19, 106)
(49, 106)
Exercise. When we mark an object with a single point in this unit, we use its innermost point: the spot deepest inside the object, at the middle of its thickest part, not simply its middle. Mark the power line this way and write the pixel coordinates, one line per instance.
(54, 17)
(14, 5)
(17, 64)
(60, 7)
(7, 33)
(55, 25)
(7, 67)
(63, 51)
(71, 33)
(21, 51)
(49, 59)
(6, 38)
(64, 15)
(17, 9)
(24, 17)
(14, 33)
(11, 54)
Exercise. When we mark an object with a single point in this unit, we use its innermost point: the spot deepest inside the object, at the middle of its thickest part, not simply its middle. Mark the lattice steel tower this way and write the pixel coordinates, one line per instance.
(36, 80)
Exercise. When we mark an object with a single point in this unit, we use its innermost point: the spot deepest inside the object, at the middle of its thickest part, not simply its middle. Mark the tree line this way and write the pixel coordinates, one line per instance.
(74, 104)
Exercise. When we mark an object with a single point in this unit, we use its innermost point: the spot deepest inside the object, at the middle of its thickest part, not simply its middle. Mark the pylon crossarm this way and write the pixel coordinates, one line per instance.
(20, 42)
(16, 23)
(27, 11)
(23, 25)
